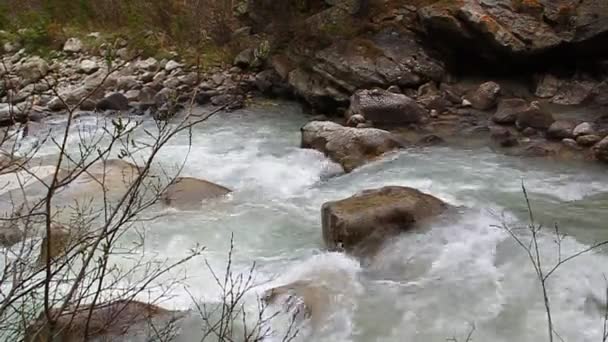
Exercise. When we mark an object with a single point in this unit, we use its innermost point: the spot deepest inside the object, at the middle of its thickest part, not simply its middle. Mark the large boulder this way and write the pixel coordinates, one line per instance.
(187, 193)
(361, 223)
(384, 107)
(121, 320)
(518, 29)
(316, 91)
(350, 147)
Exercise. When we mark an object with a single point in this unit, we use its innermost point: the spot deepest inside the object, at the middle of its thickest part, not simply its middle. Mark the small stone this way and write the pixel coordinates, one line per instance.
(355, 120)
(72, 45)
(88, 66)
(571, 143)
(394, 89)
(529, 132)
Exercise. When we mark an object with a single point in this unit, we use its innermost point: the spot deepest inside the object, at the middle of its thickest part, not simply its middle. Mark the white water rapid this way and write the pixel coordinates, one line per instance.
(424, 286)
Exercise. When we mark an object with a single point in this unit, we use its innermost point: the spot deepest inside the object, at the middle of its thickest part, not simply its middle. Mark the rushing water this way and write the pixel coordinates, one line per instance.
(425, 286)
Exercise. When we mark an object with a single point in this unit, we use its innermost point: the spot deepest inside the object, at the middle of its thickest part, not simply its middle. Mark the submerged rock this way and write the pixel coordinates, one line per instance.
(362, 223)
(187, 193)
(350, 147)
(384, 107)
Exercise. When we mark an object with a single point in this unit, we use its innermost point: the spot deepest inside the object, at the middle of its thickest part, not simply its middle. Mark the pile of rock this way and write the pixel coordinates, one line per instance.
(76, 78)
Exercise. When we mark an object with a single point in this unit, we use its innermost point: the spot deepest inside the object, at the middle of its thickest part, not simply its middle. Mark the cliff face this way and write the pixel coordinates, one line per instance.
(341, 46)
(520, 29)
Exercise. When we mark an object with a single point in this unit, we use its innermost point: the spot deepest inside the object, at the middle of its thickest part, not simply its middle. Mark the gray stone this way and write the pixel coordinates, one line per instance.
(350, 147)
(384, 107)
(172, 65)
(88, 66)
(584, 128)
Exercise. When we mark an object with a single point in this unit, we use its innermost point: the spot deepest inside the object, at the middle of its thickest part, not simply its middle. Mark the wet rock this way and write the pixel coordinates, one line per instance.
(485, 96)
(431, 140)
(508, 110)
(188, 193)
(584, 128)
(561, 129)
(72, 45)
(114, 101)
(230, 101)
(535, 117)
(600, 150)
(350, 147)
(503, 136)
(118, 320)
(88, 66)
(383, 107)
(87, 105)
(362, 223)
(588, 140)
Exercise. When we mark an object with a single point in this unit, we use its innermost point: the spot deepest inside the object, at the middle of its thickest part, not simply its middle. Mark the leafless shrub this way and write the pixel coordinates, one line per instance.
(528, 239)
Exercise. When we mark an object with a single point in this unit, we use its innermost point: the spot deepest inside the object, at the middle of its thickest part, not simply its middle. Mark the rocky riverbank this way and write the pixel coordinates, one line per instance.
(502, 69)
